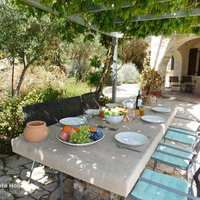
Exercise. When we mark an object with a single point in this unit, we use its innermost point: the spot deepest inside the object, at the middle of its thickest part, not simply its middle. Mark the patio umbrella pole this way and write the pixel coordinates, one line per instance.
(114, 69)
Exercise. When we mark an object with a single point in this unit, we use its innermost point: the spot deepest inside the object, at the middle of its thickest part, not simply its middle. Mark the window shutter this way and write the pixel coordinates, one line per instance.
(192, 61)
(199, 65)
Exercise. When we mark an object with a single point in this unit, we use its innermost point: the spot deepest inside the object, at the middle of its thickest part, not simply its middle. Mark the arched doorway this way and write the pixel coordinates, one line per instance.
(180, 47)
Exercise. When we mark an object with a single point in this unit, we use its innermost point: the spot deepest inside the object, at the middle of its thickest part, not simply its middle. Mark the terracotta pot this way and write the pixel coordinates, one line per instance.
(36, 131)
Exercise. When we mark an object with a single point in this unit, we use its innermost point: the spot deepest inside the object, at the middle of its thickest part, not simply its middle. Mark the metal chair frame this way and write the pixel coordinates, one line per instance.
(174, 83)
(197, 138)
(189, 166)
(189, 195)
(187, 85)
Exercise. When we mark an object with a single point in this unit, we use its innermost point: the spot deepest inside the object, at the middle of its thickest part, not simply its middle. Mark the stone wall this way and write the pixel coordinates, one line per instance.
(163, 48)
(86, 191)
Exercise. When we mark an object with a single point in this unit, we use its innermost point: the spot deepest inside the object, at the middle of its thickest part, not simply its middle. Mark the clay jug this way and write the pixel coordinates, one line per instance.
(36, 131)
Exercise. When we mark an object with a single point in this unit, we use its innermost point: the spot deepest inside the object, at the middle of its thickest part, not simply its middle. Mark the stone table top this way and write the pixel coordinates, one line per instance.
(102, 164)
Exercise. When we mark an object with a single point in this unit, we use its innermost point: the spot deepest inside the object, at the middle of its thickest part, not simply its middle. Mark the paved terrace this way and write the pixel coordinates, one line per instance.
(15, 169)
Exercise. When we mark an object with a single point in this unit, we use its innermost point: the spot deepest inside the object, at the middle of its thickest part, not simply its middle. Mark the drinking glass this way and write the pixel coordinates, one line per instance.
(86, 116)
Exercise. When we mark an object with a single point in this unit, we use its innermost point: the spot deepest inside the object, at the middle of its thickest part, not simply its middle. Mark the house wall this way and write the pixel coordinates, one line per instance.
(163, 48)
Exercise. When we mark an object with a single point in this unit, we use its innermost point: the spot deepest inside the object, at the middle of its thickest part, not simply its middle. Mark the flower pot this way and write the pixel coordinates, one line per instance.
(36, 131)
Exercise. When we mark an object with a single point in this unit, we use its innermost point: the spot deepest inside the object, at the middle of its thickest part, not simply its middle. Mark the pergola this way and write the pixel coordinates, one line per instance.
(193, 10)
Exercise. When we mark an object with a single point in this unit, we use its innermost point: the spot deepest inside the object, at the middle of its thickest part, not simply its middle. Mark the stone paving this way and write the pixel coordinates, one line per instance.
(15, 169)
(14, 174)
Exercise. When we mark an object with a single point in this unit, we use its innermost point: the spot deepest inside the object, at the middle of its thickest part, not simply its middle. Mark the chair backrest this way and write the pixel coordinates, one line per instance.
(186, 79)
(196, 178)
(70, 107)
(47, 111)
(90, 99)
(173, 79)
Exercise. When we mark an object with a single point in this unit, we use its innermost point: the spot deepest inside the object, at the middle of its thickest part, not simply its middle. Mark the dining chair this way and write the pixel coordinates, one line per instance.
(175, 84)
(46, 111)
(90, 100)
(187, 84)
(174, 156)
(157, 186)
(182, 136)
(70, 107)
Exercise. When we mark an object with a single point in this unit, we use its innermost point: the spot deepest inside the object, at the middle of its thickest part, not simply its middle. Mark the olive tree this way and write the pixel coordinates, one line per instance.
(28, 38)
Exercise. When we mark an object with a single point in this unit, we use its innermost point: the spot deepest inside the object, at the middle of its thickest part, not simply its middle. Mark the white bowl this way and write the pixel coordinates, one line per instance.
(113, 119)
(113, 104)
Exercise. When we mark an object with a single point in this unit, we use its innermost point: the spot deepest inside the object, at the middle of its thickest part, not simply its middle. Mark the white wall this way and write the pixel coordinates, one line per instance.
(162, 50)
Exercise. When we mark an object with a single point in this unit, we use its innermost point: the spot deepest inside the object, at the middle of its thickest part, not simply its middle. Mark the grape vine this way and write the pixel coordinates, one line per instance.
(104, 19)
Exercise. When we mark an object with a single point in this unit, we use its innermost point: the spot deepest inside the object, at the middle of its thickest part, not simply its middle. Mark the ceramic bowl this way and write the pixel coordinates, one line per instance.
(113, 119)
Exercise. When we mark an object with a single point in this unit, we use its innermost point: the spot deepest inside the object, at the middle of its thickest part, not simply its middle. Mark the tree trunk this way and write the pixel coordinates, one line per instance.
(106, 68)
(21, 79)
(12, 79)
(26, 66)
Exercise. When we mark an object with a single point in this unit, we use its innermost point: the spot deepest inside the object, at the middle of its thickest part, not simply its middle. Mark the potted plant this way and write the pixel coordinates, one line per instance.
(150, 81)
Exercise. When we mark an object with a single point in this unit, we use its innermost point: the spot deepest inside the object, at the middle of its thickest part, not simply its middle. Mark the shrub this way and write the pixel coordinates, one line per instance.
(74, 88)
(93, 78)
(150, 80)
(128, 74)
(42, 95)
(11, 122)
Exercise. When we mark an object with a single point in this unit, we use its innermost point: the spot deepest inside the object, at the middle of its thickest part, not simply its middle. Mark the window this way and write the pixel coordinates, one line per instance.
(194, 62)
(172, 63)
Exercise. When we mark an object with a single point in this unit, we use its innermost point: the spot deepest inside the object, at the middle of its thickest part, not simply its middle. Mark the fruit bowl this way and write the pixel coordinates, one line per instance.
(113, 119)
(82, 136)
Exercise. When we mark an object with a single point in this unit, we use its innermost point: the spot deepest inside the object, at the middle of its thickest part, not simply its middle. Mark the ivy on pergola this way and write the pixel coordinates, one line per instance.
(138, 18)
(135, 18)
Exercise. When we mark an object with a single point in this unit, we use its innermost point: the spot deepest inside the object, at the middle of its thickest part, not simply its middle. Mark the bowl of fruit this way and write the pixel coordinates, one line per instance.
(81, 136)
(115, 114)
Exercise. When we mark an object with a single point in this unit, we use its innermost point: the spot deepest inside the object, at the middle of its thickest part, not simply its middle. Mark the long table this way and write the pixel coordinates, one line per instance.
(103, 164)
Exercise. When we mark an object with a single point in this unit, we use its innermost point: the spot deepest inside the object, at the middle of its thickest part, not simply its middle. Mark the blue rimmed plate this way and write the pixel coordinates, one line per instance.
(95, 136)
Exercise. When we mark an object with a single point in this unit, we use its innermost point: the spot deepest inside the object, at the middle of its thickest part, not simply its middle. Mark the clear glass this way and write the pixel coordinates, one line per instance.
(87, 117)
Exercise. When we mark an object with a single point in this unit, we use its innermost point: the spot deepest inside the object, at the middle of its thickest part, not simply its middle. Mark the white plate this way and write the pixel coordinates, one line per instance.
(92, 111)
(153, 119)
(101, 134)
(161, 109)
(72, 121)
(131, 138)
(113, 104)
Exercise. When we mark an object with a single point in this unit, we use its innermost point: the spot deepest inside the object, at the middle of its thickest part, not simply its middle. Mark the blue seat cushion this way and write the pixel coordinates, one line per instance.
(180, 130)
(172, 160)
(181, 138)
(147, 191)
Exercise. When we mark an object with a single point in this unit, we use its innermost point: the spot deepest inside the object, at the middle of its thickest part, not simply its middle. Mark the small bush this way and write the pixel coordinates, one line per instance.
(128, 74)
(74, 88)
(11, 122)
(93, 78)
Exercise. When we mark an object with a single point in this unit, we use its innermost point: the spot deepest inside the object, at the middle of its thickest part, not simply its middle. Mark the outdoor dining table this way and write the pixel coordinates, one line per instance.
(102, 164)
